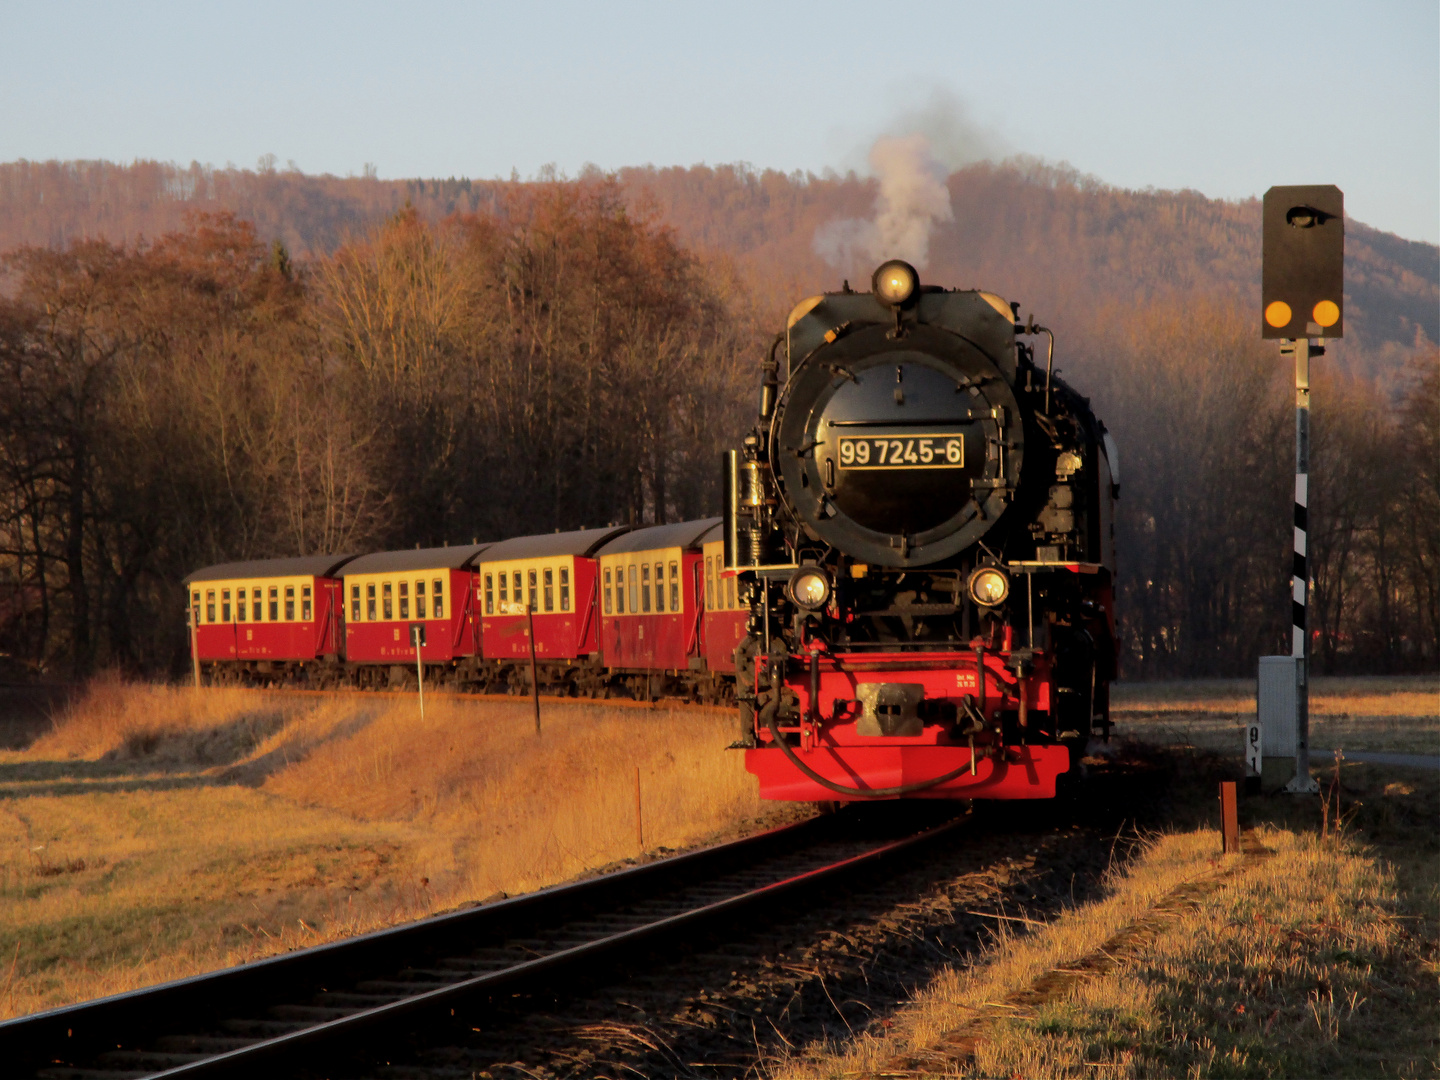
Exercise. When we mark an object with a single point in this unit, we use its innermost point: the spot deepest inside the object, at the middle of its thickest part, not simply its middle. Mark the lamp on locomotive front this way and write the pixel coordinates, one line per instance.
(895, 283)
(809, 588)
(989, 587)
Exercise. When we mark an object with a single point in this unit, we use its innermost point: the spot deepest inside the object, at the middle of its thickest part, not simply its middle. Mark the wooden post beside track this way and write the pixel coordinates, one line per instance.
(534, 679)
(1229, 819)
(639, 817)
(192, 617)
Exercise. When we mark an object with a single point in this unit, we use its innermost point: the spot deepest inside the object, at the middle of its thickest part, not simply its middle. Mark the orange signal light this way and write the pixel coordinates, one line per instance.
(1327, 313)
(1279, 314)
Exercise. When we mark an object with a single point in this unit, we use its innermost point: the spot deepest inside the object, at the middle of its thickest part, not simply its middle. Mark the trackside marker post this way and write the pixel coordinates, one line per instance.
(1254, 757)
(1302, 296)
(1229, 819)
(193, 617)
(417, 638)
(639, 817)
(534, 680)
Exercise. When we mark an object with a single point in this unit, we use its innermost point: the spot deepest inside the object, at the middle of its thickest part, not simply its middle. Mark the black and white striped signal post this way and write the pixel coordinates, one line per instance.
(1302, 293)
(1302, 783)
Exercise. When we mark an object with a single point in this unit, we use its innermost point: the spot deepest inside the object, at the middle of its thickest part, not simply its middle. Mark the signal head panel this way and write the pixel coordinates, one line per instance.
(1302, 283)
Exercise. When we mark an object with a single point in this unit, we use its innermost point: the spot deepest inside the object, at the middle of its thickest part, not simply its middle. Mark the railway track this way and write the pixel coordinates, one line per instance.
(280, 1016)
(445, 694)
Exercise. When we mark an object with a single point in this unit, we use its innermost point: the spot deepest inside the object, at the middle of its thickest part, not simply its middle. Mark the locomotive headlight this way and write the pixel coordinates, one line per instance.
(895, 283)
(809, 588)
(989, 587)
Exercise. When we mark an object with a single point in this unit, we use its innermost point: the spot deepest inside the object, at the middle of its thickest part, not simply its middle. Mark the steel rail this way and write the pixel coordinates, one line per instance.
(441, 694)
(81, 1032)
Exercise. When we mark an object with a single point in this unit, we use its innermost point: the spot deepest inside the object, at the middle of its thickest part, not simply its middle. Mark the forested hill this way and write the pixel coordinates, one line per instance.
(1068, 247)
(508, 357)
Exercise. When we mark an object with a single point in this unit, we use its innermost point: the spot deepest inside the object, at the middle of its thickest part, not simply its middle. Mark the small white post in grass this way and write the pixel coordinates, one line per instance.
(1254, 756)
(417, 638)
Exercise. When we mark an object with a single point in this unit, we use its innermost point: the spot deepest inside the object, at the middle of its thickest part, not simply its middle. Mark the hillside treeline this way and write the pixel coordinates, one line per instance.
(559, 358)
(1063, 244)
(555, 364)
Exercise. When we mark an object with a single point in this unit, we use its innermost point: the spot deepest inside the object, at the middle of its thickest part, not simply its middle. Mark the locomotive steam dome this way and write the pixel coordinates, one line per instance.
(896, 439)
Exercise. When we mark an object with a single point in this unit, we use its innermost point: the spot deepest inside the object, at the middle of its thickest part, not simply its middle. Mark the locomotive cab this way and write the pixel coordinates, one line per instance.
(920, 522)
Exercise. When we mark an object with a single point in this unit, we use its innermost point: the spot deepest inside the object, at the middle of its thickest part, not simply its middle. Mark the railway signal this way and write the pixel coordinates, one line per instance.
(1302, 296)
(1302, 283)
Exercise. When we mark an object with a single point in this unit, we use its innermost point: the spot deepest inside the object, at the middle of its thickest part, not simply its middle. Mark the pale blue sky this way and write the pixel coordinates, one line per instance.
(1225, 98)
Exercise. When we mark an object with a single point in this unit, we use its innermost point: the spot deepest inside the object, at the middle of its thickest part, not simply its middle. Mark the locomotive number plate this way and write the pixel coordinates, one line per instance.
(902, 452)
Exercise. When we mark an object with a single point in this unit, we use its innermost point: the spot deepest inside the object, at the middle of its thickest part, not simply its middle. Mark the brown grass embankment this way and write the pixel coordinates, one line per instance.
(156, 832)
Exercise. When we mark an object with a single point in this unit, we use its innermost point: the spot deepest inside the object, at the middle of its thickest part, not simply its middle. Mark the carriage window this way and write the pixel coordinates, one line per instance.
(549, 589)
(224, 605)
(730, 592)
(620, 590)
(438, 597)
(387, 602)
(209, 605)
(674, 586)
(645, 587)
(274, 604)
(354, 603)
(370, 601)
(532, 596)
(489, 593)
(404, 599)
(710, 581)
(305, 603)
(564, 588)
(504, 590)
(659, 586)
(609, 607)
(289, 603)
(635, 592)
(420, 599)
(517, 595)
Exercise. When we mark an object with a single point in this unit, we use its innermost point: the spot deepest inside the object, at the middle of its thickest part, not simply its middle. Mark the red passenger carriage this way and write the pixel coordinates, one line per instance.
(652, 602)
(549, 579)
(392, 593)
(265, 617)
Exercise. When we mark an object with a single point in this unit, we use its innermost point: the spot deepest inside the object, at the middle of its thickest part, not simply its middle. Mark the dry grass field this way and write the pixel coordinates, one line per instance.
(1395, 714)
(155, 832)
(1309, 962)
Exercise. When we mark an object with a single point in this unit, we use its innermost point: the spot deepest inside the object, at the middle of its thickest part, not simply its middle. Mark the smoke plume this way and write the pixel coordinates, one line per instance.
(911, 169)
(912, 197)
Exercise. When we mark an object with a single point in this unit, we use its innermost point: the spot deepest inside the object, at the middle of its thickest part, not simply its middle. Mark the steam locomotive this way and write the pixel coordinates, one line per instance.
(922, 525)
(909, 592)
